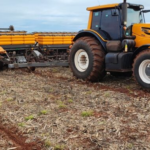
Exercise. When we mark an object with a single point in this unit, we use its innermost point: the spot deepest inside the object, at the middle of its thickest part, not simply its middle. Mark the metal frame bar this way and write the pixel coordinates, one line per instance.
(55, 46)
(35, 64)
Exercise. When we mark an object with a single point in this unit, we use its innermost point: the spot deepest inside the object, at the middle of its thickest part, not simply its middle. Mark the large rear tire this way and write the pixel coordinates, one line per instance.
(141, 69)
(87, 59)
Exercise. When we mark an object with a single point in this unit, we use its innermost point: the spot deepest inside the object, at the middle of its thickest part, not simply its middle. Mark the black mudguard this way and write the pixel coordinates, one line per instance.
(140, 49)
(83, 33)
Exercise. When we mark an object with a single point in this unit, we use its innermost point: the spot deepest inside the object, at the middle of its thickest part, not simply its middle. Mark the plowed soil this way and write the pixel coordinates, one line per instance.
(50, 109)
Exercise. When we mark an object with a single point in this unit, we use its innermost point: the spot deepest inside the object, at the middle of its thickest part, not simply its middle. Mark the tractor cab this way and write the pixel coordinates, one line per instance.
(115, 22)
(112, 20)
(106, 20)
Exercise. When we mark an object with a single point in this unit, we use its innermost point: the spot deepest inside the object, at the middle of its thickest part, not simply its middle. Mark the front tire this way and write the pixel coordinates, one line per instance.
(141, 69)
(87, 59)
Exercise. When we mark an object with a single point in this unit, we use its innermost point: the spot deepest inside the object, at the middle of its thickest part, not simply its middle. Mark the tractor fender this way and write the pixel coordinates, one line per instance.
(91, 33)
(140, 49)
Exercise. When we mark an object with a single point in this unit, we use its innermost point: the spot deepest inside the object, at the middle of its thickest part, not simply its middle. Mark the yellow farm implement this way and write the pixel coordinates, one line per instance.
(39, 49)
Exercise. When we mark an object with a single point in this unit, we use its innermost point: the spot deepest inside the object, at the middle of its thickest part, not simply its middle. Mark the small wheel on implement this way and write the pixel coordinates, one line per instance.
(141, 69)
(87, 59)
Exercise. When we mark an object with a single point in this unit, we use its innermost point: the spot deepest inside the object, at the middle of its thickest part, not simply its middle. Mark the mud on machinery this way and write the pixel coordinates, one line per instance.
(117, 40)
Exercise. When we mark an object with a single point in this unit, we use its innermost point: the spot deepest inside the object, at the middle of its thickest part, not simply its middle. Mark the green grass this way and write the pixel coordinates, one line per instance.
(129, 89)
(102, 122)
(3, 92)
(87, 113)
(59, 147)
(31, 117)
(107, 95)
(61, 105)
(130, 146)
(89, 92)
(21, 124)
(10, 99)
(54, 70)
(43, 112)
(47, 143)
(51, 90)
(70, 101)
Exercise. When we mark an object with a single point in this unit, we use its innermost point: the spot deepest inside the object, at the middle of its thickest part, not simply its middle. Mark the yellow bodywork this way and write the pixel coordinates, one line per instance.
(90, 20)
(97, 34)
(2, 51)
(40, 33)
(43, 38)
(16, 39)
(54, 38)
(142, 38)
(102, 7)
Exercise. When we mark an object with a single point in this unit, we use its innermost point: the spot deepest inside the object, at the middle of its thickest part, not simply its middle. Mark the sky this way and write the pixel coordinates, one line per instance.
(52, 15)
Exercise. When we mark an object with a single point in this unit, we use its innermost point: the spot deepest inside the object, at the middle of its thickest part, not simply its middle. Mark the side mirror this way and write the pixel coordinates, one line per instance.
(144, 12)
(115, 12)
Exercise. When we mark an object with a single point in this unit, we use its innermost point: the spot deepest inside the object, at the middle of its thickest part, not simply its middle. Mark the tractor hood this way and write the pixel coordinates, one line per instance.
(142, 33)
(141, 30)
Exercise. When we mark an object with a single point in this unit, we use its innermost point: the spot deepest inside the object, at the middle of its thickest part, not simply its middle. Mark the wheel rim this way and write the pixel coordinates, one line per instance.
(143, 71)
(81, 60)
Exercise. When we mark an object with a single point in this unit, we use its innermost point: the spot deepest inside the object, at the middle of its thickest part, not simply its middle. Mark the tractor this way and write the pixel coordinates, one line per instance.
(117, 40)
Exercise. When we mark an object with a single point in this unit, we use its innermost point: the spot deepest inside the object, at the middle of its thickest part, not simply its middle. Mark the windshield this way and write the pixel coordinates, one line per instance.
(134, 16)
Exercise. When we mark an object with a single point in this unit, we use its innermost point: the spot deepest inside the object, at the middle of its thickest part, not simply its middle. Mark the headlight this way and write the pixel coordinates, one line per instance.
(146, 30)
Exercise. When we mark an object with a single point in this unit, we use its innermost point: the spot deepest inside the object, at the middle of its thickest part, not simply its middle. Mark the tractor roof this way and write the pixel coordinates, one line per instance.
(137, 6)
(102, 7)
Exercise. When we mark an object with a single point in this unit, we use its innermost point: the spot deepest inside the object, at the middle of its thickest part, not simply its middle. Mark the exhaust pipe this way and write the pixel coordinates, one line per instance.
(124, 13)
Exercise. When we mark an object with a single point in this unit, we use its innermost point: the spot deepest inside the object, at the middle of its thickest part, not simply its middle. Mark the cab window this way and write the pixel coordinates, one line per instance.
(111, 24)
(96, 20)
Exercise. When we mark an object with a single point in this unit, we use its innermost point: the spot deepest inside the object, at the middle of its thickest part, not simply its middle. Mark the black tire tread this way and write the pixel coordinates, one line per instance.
(98, 71)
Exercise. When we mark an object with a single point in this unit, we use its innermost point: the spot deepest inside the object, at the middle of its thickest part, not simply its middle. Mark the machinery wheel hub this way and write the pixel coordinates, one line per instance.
(81, 60)
(147, 70)
(144, 71)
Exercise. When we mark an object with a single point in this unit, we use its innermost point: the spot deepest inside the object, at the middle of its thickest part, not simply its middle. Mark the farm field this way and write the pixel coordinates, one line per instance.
(51, 110)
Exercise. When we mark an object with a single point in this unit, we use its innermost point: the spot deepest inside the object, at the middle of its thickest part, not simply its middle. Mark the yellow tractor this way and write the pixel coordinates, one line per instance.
(117, 40)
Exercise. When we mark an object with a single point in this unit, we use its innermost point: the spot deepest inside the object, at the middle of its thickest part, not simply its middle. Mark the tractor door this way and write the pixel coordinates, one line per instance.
(107, 23)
